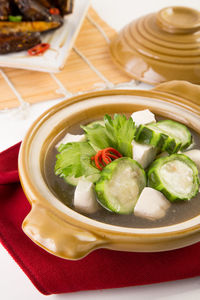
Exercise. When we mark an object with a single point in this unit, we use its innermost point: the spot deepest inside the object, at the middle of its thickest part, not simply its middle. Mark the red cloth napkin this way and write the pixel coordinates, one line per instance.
(99, 270)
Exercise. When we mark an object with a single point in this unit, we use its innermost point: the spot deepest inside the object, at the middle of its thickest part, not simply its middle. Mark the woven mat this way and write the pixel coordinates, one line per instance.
(76, 76)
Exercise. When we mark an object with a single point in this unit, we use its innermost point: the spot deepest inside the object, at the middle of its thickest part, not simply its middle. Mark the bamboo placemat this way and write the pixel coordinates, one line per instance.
(88, 65)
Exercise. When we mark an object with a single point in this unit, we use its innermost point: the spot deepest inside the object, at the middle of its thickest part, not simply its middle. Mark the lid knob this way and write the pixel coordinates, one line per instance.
(179, 19)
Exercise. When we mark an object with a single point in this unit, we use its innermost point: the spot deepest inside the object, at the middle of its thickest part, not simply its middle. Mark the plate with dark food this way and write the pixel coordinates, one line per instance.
(38, 34)
(115, 169)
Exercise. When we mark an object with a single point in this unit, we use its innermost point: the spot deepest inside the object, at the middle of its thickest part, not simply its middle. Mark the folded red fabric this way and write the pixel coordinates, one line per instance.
(99, 270)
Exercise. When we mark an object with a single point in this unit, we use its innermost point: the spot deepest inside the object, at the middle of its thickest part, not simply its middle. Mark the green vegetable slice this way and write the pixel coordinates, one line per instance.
(169, 144)
(14, 18)
(74, 159)
(120, 185)
(176, 176)
(153, 135)
(177, 131)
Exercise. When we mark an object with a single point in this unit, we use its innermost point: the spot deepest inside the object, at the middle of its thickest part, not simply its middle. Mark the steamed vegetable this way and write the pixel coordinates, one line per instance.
(154, 136)
(177, 131)
(176, 176)
(117, 133)
(167, 135)
(120, 185)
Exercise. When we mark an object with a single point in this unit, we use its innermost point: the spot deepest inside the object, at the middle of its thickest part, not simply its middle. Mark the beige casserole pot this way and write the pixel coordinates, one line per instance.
(68, 234)
(160, 46)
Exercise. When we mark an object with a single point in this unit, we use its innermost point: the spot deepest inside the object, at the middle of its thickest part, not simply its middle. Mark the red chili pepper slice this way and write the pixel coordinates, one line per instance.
(98, 160)
(114, 151)
(38, 49)
(107, 159)
(112, 156)
(101, 160)
(54, 11)
(105, 156)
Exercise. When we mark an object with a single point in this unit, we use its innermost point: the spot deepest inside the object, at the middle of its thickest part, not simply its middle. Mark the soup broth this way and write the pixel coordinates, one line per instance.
(178, 211)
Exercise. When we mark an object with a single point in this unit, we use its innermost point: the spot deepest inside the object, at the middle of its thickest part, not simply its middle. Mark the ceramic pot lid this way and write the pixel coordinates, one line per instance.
(161, 46)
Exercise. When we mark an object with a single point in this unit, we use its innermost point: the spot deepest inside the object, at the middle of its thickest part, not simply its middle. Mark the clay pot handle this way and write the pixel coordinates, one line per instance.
(181, 89)
(57, 236)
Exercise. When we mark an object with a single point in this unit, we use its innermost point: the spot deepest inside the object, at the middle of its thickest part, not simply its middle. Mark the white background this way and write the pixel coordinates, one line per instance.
(14, 285)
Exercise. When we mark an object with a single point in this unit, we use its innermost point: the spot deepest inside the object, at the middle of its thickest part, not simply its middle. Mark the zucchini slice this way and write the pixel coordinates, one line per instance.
(120, 185)
(176, 176)
(155, 136)
(177, 131)
(150, 135)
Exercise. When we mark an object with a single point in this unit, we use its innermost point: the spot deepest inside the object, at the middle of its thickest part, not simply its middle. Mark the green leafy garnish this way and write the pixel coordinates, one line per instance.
(117, 133)
(74, 159)
(97, 136)
(121, 132)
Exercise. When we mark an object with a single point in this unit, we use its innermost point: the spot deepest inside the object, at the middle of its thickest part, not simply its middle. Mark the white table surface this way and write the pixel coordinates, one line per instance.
(14, 284)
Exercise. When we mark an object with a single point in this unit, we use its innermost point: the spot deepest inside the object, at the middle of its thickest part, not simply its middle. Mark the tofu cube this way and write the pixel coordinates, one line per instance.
(195, 156)
(143, 154)
(70, 138)
(84, 197)
(143, 117)
(151, 205)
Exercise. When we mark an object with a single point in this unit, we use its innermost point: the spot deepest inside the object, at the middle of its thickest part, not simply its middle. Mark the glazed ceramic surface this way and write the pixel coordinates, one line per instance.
(68, 234)
(161, 46)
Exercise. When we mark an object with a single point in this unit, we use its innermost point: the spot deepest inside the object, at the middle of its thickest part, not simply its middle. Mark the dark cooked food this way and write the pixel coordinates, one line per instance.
(15, 42)
(65, 6)
(4, 9)
(37, 26)
(34, 11)
(45, 3)
(20, 18)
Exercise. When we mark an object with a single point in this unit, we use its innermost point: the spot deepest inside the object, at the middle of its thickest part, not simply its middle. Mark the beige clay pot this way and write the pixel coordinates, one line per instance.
(68, 234)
